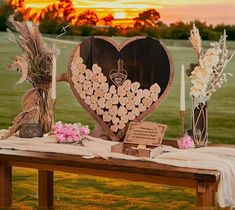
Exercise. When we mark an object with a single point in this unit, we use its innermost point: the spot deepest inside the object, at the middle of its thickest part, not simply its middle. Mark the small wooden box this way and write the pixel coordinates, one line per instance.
(140, 139)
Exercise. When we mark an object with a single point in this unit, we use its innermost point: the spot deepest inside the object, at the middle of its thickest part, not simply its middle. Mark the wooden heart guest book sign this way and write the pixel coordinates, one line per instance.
(118, 84)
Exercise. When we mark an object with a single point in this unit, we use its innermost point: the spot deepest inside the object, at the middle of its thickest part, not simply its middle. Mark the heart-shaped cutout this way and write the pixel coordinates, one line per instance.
(117, 84)
(118, 76)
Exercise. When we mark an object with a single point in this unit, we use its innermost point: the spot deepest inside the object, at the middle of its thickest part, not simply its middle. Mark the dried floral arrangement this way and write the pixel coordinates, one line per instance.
(35, 65)
(208, 74)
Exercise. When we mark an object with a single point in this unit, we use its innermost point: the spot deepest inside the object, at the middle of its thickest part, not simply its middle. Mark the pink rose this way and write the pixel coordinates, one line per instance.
(185, 142)
(70, 133)
(61, 138)
(83, 131)
(57, 126)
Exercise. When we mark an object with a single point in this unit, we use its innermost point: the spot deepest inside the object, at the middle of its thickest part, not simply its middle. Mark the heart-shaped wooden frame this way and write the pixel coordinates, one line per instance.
(121, 133)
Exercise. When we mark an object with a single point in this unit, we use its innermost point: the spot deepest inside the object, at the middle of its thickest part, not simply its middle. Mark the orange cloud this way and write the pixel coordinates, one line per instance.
(211, 11)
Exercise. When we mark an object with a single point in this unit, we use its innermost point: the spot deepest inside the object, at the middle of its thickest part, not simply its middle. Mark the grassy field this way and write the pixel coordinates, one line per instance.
(95, 193)
(99, 193)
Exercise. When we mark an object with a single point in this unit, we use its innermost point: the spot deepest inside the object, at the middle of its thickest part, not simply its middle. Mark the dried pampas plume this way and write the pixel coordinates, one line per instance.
(196, 40)
(35, 63)
(35, 66)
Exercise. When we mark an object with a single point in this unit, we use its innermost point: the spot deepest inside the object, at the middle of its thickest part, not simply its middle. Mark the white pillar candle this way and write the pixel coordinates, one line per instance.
(182, 89)
(53, 83)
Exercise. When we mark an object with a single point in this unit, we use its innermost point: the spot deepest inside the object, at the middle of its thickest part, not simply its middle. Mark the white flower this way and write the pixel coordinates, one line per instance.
(201, 73)
(199, 78)
(211, 57)
(195, 92)
(208, 75)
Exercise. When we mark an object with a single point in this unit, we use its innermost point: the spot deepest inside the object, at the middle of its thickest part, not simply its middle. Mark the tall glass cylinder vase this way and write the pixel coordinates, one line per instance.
(200, 125)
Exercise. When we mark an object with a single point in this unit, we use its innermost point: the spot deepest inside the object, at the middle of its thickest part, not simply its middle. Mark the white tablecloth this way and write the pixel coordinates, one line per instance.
(211, 158)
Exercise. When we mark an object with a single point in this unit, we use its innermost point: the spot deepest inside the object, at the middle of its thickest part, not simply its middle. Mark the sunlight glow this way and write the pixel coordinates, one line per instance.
(120, 15)
(211, 11)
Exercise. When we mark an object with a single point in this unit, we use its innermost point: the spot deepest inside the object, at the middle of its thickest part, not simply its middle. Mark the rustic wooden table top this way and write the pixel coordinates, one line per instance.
(204, 181)
(63, 162)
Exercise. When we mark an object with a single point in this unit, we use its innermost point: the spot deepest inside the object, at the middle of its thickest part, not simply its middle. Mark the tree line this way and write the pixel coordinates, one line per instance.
(52, 18)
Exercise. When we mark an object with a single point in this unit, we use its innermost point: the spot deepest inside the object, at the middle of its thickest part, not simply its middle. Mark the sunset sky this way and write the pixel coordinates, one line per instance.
(211, 11)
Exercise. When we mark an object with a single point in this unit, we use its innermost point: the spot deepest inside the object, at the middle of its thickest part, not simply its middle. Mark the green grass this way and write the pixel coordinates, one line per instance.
(96, 193)
(100, 193)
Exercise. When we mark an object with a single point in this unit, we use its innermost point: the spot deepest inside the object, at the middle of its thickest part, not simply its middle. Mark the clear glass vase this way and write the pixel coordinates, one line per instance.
(200, 125)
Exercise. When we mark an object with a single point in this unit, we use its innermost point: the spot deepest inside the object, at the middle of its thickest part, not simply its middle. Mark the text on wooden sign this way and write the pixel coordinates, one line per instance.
(145, 133)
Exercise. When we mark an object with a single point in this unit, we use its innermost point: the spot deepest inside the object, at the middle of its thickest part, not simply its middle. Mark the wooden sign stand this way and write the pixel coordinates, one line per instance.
(141, 137)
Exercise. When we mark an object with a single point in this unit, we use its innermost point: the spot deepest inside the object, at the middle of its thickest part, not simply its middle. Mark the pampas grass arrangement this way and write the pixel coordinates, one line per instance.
(35, 66)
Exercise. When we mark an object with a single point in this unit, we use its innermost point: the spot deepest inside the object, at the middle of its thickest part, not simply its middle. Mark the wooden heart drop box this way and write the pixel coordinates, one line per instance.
(120, 83)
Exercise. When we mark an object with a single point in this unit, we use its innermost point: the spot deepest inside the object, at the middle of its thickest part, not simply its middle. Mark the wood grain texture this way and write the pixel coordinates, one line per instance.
(45, 189)
(115, 165)
(5, 184)
(205, 194)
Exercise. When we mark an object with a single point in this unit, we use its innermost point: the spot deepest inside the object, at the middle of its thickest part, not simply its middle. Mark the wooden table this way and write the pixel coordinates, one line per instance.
(204, 181)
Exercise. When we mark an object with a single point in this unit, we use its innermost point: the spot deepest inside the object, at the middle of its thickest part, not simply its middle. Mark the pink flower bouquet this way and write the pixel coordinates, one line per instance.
(185, 142)
(70, 133)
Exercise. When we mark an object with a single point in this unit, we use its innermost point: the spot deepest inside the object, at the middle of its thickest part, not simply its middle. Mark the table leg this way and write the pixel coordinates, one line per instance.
(45, 189)
(5, 184)
(205, 194)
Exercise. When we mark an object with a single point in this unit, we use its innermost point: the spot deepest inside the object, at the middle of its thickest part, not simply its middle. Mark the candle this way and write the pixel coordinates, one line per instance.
(182, 89)
(53, 83)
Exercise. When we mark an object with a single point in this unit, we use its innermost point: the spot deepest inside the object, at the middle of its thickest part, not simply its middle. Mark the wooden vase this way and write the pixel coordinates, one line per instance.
(199, 129)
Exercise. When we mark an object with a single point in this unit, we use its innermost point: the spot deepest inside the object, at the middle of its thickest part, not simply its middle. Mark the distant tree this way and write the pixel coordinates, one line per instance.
(52, 18)
(67, 10)
(148, 18)
(63, 10)
(230, 30)
(82, 30)
(52, 10)
(50, 21)
(206, 31)
(6, 9)
(150, 31)
(132, 32)
(179, 30)
(55, 16)
(138, 23)
(108, 19)
(21, 12)
(112, 31)
(87, 17)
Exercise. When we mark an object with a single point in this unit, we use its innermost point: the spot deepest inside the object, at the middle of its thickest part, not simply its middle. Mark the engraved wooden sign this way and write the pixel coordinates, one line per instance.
(118, 84)
(140, 139)
(145, 133)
